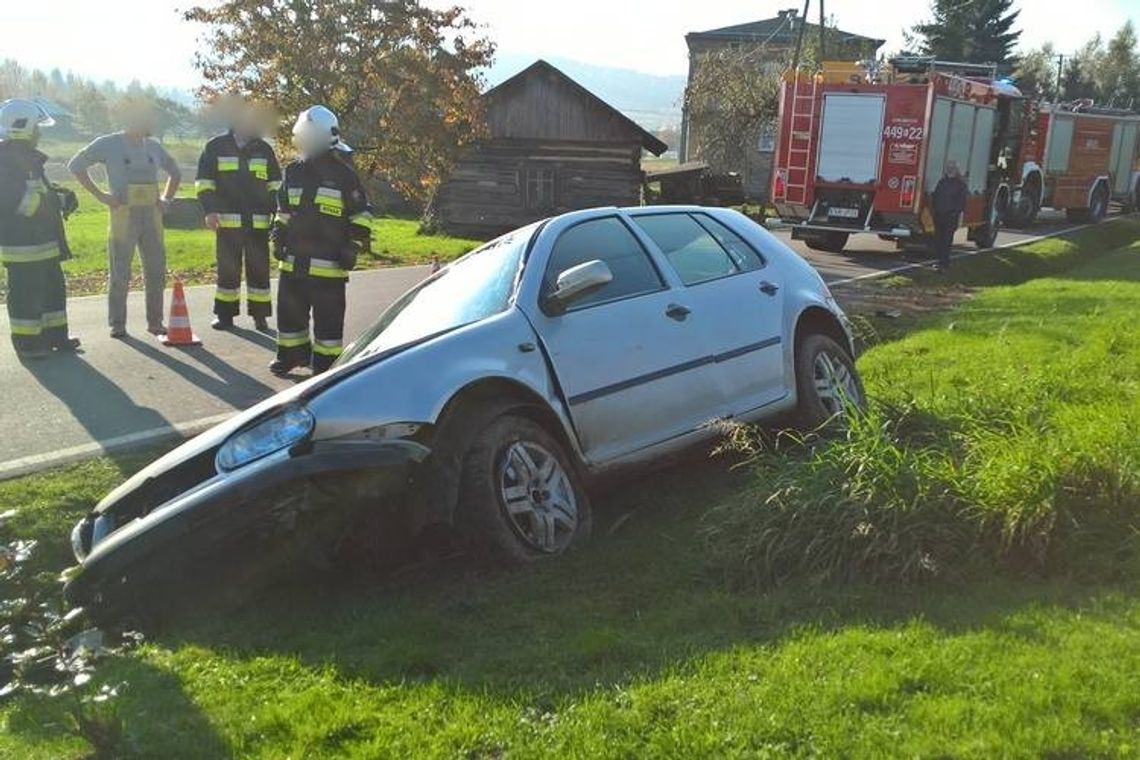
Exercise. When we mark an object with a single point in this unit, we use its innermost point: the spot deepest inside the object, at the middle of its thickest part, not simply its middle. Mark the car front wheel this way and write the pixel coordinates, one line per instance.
(521, 498)
(827, 383)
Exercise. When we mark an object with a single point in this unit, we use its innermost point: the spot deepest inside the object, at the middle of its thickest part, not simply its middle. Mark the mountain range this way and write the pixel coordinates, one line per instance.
(653, 101)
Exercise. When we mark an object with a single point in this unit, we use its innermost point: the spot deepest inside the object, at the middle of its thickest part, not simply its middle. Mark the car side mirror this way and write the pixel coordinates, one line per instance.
(576, 282)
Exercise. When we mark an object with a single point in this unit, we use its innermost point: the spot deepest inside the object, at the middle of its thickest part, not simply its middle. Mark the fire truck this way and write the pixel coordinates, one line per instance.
(860, 153)
(1078, 158)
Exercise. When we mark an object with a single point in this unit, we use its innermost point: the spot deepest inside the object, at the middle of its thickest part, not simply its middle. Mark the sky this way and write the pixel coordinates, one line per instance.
(642, 35)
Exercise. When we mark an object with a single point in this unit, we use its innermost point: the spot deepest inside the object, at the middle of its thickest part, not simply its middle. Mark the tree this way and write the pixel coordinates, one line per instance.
(401, 77)
(1036, 72)
(733, 98)
(975, 31)
(1078, 80)
(1118, 70)
(92, 116)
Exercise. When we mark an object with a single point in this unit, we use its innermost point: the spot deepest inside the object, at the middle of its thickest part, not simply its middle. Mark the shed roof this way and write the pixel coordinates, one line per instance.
(781, 30)
(648, 141)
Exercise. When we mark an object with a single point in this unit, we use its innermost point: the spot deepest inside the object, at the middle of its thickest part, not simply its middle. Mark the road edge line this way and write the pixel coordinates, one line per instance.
(16, 468)
(925, 264)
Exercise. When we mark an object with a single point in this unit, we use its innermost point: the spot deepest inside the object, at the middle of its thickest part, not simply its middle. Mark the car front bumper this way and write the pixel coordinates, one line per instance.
(227, 519)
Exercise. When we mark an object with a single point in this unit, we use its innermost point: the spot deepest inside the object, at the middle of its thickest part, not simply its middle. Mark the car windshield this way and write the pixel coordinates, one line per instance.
(475, 287)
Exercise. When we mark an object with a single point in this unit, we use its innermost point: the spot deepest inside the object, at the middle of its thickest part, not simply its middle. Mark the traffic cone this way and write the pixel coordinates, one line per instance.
(178, 330)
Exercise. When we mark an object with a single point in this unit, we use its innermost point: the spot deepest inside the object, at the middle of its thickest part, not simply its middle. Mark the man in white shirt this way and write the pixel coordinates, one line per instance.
(132, 159)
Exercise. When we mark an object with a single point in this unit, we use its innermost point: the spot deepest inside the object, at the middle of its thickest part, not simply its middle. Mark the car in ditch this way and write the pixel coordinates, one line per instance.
(487, 398)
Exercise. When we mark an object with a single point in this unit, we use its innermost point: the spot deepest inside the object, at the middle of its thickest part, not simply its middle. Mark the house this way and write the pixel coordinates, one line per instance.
(773, 41)
(552, 146)
(64, 119)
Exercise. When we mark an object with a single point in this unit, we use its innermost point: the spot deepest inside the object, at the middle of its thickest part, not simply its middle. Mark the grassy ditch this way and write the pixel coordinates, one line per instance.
(1002, 434)
(753, 611)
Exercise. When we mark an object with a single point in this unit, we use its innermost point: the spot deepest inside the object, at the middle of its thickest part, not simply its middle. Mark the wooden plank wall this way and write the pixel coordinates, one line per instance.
(486, 192)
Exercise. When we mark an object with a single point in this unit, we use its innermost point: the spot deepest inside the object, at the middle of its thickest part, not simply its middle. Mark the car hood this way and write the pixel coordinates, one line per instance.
(202, 448)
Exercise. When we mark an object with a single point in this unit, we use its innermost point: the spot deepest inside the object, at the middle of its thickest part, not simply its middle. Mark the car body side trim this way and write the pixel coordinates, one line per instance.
(660, 374)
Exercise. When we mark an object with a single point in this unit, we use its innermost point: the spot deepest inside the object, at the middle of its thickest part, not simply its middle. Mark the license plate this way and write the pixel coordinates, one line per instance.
(846, 213)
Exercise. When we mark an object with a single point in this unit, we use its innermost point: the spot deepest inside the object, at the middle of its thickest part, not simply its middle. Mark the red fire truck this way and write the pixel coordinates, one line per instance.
(859, 152)
(1087, 158)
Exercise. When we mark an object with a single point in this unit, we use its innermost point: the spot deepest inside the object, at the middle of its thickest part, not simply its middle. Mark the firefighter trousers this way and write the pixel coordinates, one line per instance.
(233, 247)
(136, 227)
(297, 297)
(37, 305)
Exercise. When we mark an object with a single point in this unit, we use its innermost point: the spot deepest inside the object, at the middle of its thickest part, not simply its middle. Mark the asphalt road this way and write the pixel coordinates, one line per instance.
(117, 394)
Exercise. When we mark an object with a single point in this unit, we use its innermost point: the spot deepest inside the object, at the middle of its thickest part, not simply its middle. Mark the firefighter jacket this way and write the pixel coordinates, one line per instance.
(322, 217)
(31, 228)
(238, 184)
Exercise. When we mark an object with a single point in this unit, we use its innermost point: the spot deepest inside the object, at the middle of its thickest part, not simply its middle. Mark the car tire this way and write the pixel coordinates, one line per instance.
(830, 242)
(521, 497)
(825, 377)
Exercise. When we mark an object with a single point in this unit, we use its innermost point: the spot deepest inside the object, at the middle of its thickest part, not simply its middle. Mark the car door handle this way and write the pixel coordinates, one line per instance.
(769, 288)
(678, 312)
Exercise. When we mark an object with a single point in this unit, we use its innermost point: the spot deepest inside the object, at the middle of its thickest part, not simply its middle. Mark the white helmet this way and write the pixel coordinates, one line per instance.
(22, 119)
(317, 130)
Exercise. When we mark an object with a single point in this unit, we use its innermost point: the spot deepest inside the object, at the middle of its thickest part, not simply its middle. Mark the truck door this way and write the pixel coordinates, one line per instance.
(850, 140)
(1123, 155)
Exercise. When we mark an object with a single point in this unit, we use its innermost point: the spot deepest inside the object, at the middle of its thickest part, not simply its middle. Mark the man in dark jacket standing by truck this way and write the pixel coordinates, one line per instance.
(238, 178)
(947, 204)
(32, 241)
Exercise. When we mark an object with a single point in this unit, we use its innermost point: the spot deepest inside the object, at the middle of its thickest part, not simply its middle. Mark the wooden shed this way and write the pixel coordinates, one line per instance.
(553, 146)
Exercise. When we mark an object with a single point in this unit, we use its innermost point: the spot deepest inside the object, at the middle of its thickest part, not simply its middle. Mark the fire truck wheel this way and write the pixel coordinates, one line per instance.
(1024, 212)
(1099, 207)
(829, 242)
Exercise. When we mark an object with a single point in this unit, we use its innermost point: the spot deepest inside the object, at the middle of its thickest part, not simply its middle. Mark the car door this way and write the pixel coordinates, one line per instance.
(631, 365)
(736, 299)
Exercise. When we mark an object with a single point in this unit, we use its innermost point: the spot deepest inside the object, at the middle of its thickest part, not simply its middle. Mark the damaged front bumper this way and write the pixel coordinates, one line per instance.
(228, 518)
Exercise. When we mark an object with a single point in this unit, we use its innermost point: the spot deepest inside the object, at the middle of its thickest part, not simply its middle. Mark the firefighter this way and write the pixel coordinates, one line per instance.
(321, 227)
(947, 204)
(238, 178)
(132, 159)
(32, 241)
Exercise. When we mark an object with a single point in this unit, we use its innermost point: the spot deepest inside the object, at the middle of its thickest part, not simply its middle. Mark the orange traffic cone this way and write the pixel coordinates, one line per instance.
(178, 330)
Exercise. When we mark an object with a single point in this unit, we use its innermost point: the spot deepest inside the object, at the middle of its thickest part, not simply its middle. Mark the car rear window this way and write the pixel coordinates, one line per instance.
(698, 247)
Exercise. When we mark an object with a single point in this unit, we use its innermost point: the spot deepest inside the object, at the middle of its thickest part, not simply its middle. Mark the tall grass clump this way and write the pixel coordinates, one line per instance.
(1003, 436)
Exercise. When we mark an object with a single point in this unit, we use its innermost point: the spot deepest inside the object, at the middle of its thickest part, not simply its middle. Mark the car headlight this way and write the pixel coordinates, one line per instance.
(289, 426)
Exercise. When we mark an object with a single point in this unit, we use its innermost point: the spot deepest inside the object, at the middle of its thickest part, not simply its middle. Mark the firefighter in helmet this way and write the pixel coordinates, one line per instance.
(238, 178)
(32, 240)
(322, 225)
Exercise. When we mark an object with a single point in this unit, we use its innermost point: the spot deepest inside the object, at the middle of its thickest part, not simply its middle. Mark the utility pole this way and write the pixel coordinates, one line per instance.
(822, 42)
(800, 37)
(1060, 69)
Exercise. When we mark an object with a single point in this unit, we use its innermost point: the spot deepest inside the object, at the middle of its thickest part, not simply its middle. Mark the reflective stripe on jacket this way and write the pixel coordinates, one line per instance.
(238, 184)
(31, 228)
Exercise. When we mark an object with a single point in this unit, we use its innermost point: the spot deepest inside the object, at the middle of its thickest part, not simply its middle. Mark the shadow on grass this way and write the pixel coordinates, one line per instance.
(150, 708)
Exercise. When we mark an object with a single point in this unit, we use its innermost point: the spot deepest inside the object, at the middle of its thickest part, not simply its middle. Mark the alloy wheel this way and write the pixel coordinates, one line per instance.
(835, 383)
(537, 497)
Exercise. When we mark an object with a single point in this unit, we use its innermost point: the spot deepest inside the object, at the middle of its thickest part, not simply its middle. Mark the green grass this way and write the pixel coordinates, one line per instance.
(190, 253)
(636, 647)
(185, 152)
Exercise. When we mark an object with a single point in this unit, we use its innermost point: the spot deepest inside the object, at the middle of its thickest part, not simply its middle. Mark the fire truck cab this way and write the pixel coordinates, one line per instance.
(862, 151)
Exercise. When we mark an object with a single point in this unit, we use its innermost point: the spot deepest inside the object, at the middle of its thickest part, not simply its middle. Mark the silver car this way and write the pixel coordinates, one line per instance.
(486, 398)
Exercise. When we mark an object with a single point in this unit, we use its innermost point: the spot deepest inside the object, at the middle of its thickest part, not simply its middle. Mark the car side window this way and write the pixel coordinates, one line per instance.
(743, 255)
(691, 250)
(609, 240)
